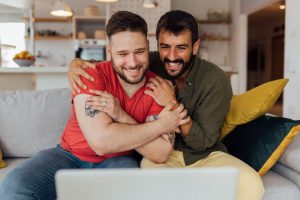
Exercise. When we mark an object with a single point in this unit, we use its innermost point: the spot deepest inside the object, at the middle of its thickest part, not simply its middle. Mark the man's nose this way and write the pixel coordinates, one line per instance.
(172, 55)
(132, 61)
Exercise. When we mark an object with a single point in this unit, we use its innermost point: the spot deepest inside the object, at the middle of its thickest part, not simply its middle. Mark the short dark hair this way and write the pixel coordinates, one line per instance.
(176, 21)
(126, 21)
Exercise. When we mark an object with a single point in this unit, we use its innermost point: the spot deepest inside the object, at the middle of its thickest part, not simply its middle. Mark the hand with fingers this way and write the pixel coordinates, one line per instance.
(105, 102)
(76, 68)
(171, 119)
(162, 90)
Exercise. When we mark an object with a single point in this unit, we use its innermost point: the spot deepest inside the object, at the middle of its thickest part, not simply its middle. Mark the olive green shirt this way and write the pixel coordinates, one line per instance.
(206, 96)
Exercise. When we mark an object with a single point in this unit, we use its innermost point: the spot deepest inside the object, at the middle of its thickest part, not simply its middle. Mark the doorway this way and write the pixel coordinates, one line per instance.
(265, 60)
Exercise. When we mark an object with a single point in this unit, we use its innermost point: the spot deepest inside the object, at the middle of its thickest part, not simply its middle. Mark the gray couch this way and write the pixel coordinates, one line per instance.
(34, 120)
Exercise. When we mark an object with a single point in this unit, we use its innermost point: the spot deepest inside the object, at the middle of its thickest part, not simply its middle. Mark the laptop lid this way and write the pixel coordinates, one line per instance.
(147, 184)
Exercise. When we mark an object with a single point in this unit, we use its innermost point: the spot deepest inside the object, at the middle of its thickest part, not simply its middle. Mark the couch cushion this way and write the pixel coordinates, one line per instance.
(278, 188)
(262, 141)
(31, 121)
(291, 156)
(252, 104)
(11, 164)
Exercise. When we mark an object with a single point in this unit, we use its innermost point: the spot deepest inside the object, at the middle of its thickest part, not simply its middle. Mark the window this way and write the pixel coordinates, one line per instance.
(11, 34)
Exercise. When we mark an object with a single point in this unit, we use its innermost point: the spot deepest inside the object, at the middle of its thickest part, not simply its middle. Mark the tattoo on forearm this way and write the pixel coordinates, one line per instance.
(155, 117)
(171, 137)
(89, 111)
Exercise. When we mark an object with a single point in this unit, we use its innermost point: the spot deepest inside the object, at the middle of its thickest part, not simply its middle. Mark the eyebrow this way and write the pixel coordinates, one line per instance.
(135, 50)
(179, 45)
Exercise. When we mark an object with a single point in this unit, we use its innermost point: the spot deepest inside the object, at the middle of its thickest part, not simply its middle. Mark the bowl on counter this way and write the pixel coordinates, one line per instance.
(24, 62)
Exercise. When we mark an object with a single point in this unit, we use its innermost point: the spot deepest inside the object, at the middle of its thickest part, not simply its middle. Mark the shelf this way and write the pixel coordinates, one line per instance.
(216, 39)
(151, 34)
(58, 20)
(59, 37)
(90, 18)
(205, 21)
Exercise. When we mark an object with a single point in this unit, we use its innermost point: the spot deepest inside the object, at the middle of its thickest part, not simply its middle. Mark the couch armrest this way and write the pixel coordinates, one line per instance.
(287, 172)
(290, 158)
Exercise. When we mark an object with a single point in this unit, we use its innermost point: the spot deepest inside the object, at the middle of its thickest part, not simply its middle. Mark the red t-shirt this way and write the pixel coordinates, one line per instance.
(139, 107)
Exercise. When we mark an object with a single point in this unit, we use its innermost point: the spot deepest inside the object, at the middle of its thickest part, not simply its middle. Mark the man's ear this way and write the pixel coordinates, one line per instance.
(108, 52)
(196, 47)
(148, 43)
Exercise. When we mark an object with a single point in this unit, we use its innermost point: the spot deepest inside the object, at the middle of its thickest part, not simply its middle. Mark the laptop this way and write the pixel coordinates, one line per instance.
(147, 184)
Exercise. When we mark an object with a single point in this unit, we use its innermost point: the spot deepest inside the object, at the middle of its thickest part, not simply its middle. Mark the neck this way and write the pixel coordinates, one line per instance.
(129, 88)
(180, 81)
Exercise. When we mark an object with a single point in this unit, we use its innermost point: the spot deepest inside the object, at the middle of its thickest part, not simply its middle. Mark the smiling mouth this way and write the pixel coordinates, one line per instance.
(174, 66)
(133, 70)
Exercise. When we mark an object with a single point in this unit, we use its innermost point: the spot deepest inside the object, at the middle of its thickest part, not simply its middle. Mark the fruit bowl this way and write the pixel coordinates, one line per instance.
(24, 58)
(24, 62)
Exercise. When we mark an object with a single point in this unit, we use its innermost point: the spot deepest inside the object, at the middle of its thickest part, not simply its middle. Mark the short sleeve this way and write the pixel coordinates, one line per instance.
(97, 84)
(155, 109)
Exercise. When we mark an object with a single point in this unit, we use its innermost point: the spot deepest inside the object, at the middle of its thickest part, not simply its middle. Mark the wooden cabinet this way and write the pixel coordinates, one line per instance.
(84, 27)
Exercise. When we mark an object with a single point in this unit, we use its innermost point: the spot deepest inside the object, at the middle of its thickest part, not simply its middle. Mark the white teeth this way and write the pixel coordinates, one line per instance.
(132, 70)
(173, 64)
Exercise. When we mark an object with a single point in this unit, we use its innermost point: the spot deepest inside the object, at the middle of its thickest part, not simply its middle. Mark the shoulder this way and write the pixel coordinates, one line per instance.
(209, 78)
(150, 74)
(105, 67)
(208, 71)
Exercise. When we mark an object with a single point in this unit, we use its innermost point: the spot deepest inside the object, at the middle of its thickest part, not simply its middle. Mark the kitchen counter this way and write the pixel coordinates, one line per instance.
(33, 78)
(50, 69)
(40, 78)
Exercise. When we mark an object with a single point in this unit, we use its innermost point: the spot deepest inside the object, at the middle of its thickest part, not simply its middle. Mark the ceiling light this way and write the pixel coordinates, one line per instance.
(61, 9)
(282, 5)
(107, 1)
(149, 4)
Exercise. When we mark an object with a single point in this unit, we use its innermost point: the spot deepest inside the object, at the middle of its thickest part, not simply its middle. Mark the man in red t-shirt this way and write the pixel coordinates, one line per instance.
(96, 139)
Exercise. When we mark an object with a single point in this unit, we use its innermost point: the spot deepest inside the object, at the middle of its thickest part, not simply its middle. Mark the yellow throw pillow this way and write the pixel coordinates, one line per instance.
(2, 163)
(252, 104)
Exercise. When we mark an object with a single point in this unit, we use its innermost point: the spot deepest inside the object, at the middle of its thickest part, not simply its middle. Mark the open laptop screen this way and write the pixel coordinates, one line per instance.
(147, 184)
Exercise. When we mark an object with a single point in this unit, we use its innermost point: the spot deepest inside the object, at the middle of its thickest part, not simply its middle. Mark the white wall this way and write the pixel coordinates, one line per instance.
(23, 4)
(291, 96)
(43, 7)
(238, 46)
(199, 8)
(250, 6)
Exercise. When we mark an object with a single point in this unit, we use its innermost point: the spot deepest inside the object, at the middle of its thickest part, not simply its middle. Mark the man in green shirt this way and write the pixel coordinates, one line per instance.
(202, 88)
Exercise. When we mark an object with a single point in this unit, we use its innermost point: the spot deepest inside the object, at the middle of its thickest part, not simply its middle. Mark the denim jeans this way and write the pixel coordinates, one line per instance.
(34, 179)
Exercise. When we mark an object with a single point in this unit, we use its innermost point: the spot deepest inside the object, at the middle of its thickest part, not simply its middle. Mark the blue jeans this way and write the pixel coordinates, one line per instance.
(34, 179)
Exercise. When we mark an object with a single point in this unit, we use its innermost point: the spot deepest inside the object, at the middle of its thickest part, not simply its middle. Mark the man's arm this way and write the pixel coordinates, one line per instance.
(203, 130)
(163, 92)
(157, 150)
(105, 136)
(208, 117)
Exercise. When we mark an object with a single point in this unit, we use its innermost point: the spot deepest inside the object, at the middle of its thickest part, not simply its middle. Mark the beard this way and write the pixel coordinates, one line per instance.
(185, 66)
(122, 75)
